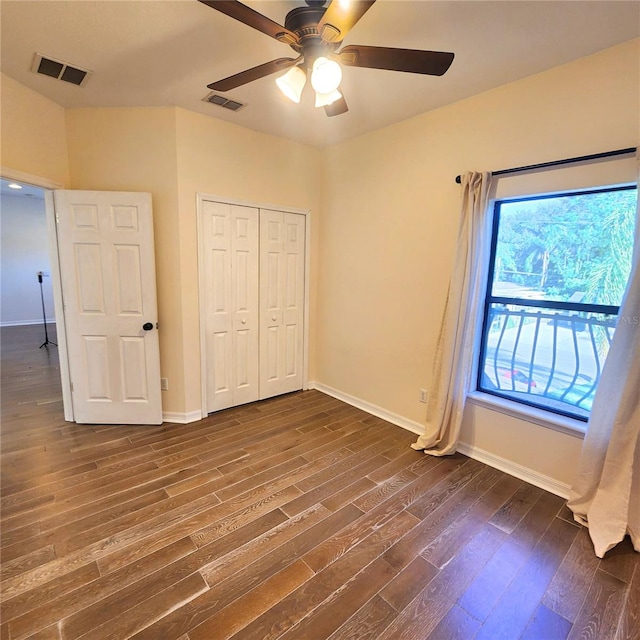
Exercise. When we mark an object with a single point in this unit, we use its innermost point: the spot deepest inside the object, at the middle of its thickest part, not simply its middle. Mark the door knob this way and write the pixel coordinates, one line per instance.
(147, 326)
(273, 318)
(244, 321)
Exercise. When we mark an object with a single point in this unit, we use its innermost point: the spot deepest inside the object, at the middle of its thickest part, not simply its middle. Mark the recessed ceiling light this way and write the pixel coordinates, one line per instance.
(13, 185)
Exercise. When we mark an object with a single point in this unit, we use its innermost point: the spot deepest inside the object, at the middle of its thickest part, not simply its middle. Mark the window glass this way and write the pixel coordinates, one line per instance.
(559, 268)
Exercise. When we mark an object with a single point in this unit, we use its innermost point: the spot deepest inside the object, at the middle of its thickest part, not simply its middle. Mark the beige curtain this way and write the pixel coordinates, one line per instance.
(606, 492)
(453, 362)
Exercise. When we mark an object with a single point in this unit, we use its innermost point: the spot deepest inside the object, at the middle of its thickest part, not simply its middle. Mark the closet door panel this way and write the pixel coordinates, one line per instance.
(293, 312)
(231, 266)
(219, 338)
(282, 242)
(271, 278)
(245, 303)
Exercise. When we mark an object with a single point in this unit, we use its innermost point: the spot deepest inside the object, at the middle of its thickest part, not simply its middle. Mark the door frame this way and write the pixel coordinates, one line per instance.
(52, 232)
(200, 199)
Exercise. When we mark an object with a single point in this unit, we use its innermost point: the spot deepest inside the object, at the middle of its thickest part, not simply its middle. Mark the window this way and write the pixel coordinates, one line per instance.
(558, 269)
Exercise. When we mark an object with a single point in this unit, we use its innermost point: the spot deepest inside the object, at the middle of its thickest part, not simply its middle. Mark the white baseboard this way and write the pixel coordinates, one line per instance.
(20, 323)
(181, 418)
(512, 468)
(393, 418)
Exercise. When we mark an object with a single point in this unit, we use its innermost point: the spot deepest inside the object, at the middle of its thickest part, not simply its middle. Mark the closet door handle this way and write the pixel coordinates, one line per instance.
(273, 318)
(244, 321)
(147, 326)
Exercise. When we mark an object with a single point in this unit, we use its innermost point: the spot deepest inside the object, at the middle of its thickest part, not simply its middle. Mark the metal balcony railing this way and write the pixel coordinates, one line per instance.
(545, 357)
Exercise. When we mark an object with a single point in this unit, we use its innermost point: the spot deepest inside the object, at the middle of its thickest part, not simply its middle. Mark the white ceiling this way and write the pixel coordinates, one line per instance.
(165, 52)
(27, 191)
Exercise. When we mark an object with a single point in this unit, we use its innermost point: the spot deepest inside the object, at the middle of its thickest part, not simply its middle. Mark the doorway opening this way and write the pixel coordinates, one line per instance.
(29, 337)
(102, 258)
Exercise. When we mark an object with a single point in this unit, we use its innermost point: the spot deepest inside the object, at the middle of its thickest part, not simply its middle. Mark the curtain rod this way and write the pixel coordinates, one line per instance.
(555, 163)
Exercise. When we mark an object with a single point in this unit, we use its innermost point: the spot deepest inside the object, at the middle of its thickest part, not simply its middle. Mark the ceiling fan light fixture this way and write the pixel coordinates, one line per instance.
(325, 99)
(326, 75)
(292, 83)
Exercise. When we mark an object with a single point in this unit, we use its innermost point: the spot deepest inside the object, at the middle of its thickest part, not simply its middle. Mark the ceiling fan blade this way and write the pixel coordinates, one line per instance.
(432, 63)
(336, 108)
(253, 19)
(255, 73)
(340, 17)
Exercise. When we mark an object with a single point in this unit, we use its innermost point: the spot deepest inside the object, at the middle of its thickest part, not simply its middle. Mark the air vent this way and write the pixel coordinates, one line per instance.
(221, 101)
(59, 70)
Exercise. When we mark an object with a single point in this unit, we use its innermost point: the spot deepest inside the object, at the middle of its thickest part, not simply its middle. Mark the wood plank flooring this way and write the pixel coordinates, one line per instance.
(298, 518)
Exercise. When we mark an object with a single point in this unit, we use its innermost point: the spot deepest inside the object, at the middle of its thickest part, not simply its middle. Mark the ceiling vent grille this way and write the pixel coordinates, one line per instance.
(60, 70)
(221, 101)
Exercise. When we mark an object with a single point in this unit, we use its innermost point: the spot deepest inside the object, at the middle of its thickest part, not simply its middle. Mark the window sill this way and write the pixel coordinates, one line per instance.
(546, 419)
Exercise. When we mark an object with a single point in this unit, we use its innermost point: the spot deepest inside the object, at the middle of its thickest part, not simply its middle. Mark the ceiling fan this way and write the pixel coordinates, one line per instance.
(315, 33)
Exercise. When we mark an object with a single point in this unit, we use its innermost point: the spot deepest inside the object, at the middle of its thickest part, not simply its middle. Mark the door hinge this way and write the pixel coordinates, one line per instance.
(57, 218)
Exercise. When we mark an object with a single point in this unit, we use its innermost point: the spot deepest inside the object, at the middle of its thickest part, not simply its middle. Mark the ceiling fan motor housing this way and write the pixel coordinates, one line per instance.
(303, 21)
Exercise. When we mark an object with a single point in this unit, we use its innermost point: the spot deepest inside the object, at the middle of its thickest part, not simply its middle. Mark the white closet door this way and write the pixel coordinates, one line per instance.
(282, 257)
(231, 265)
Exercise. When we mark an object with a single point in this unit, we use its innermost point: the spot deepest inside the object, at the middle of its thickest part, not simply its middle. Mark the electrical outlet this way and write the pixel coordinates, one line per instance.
(424, 396)
(164, 384)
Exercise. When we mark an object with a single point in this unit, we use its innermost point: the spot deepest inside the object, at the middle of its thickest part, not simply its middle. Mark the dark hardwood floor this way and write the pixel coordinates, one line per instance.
(296, 518)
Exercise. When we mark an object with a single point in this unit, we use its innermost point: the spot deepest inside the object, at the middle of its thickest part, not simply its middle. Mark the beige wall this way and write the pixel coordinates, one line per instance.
(222, 159)
(135, 150)
(389, 223)
(175, 154)
(33, 133)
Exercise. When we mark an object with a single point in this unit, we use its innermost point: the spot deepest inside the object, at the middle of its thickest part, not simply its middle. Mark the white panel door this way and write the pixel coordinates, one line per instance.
(231, 300)
(107, 271)
(282, 268)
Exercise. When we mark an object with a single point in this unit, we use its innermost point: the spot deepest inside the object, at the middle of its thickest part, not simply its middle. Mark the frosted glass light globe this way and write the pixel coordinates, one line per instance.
(292, 83)
(326, 75)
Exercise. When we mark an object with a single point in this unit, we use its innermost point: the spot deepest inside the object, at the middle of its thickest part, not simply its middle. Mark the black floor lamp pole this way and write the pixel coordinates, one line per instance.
(46, 342)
